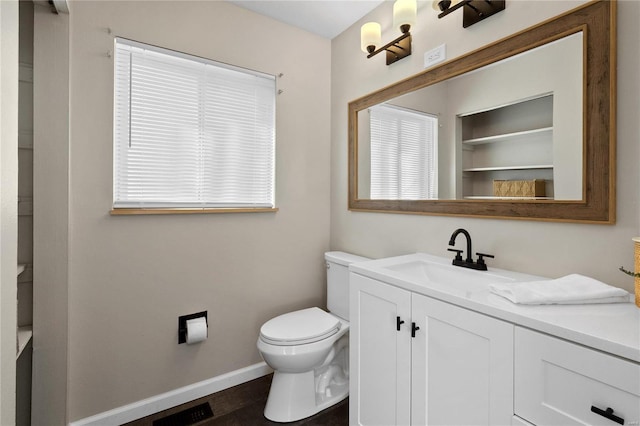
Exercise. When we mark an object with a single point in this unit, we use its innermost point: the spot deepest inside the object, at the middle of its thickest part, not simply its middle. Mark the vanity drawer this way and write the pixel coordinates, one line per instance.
(558, 383)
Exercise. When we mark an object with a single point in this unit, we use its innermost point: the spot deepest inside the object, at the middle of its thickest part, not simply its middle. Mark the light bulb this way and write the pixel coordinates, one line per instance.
(404, 13)
(370, 35)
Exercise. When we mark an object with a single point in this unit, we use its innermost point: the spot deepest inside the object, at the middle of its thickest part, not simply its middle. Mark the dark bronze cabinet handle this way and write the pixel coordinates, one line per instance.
(414, 328)
(398, 323)
(608, 413)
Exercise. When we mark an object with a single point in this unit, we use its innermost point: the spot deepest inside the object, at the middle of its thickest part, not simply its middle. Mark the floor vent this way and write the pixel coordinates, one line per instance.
(187, 417)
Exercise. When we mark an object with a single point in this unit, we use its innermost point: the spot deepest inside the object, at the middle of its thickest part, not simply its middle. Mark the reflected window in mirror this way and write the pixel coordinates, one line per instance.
(404, 153)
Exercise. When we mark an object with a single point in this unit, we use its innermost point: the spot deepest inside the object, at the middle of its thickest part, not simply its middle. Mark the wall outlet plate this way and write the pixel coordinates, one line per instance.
(435, 55)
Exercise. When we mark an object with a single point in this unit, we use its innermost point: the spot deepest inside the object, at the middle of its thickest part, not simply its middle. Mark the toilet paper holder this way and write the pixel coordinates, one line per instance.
(182, 324)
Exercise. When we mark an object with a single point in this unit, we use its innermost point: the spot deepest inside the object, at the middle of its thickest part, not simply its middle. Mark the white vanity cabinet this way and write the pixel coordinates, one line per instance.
(561, 383)
(417, 360)
(462, 366)
(478, 359)
(380, 355)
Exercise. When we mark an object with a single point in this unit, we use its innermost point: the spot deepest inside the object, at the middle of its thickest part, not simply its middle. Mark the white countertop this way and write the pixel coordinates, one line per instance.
(613, 328)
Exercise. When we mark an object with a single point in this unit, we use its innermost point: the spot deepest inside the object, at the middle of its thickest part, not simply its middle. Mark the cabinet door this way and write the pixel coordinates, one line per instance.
(380, 377)
(462, 364)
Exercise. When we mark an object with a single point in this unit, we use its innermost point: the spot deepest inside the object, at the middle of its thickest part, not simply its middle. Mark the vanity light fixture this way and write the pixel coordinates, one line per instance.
(404, 16)
(474, 10)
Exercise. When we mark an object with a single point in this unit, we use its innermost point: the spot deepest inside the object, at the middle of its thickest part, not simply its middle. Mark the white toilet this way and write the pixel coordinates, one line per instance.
(309, 350)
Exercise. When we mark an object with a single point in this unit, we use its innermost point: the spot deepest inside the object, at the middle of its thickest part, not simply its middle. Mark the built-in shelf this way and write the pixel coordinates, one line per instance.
(510, 137)
(25, 153)
(493, 169)
(510, 142)
(26, 275)
(25, 139)
(25, 206)
(25, 72)
(24, 336)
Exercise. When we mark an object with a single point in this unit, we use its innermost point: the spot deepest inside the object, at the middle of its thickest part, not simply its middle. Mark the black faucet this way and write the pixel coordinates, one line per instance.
(480, 265)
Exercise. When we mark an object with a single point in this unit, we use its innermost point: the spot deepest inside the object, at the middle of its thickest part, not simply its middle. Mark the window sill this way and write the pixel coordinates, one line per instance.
(129, 212)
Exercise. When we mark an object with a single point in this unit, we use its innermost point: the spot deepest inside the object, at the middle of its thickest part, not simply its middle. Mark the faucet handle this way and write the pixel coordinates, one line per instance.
(481, 257)
(458, 253)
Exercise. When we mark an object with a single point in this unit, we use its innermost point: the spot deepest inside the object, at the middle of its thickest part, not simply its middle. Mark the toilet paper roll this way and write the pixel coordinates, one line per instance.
(196, 330)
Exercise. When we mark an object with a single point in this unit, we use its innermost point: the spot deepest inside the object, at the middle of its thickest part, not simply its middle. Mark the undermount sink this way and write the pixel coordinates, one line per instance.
(447, 274)
(453, 277)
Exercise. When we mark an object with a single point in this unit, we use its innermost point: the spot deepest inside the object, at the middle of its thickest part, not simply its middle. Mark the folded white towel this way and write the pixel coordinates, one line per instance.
(569, 290)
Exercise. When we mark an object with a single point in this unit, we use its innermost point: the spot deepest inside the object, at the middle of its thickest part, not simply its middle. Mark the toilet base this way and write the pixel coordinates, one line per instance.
(293, 396)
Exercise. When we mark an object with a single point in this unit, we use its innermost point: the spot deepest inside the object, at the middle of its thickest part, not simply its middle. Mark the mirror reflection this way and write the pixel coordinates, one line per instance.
(509, 130)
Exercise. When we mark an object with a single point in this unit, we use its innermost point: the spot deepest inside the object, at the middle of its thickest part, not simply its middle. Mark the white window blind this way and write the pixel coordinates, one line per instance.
(190, 133)
(404, 156)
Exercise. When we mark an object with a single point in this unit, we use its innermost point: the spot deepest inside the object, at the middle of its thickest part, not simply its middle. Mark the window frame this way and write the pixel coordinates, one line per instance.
(191, 207)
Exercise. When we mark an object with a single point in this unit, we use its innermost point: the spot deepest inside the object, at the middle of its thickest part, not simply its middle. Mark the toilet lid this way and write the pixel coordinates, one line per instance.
(300, 327)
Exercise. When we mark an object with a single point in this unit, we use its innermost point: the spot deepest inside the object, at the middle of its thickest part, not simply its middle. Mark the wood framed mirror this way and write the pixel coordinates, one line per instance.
(564, 132)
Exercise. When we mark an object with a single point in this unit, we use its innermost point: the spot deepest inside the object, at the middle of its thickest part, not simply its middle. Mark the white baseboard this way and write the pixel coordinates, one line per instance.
(146, 407)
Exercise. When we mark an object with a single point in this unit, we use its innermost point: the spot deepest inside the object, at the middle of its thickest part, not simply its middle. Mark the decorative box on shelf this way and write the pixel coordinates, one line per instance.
(519, 188)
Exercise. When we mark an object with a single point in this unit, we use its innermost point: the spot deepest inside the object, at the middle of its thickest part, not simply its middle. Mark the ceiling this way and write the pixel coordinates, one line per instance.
(326, 18)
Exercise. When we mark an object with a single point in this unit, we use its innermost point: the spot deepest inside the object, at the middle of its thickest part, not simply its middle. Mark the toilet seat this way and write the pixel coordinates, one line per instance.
(300, 327)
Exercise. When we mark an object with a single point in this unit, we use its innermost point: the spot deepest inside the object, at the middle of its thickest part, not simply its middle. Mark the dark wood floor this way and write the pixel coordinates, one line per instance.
(243, 405)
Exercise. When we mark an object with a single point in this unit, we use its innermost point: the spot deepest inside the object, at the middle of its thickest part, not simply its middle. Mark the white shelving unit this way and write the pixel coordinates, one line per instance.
(24, 336)
(511, 137)
(25, 332)
(24, 281)
(512, 142)
(523, 167)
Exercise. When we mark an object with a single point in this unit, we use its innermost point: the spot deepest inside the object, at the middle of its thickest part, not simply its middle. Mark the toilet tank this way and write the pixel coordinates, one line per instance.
(338, 281)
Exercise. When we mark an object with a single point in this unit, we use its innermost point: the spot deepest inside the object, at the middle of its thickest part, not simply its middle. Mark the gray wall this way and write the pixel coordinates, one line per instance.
(129, 278)
(549, 249)
(51, 215)
(8, 207)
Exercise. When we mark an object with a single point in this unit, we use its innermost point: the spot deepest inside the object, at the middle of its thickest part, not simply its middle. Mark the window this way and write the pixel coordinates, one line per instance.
(191, 133)
(404, 156)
